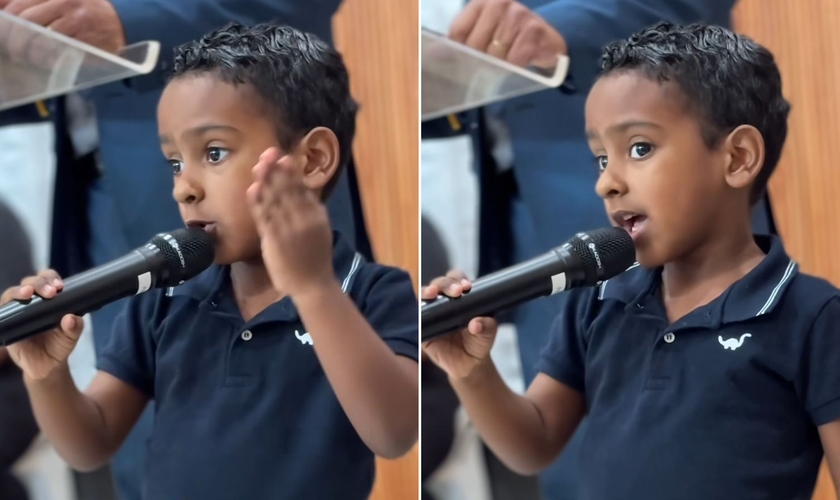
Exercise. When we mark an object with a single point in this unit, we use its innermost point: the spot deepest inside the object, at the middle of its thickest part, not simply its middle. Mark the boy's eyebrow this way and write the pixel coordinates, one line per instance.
(200, 130)
(622, 127)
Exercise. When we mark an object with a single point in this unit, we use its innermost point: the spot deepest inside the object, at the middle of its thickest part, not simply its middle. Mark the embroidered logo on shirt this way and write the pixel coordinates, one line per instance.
(304, 339)
(733, 343)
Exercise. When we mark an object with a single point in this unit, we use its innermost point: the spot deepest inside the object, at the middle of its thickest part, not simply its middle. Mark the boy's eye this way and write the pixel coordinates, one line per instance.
(215, 155)
(640, 150)
(177, 166)
(601, 162)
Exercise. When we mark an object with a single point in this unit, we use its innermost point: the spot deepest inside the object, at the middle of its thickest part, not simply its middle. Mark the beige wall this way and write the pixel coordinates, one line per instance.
(379, 41)
(804, 37)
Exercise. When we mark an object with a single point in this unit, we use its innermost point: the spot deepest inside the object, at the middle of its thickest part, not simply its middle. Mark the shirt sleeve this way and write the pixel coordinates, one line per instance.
(818, 379)
(391, 308)
(129, 354)
(172, 23)
(563, 357)
(589, 25)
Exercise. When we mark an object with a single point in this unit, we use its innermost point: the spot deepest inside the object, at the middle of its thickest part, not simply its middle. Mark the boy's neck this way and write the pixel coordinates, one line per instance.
(252, 287)
(706, 273)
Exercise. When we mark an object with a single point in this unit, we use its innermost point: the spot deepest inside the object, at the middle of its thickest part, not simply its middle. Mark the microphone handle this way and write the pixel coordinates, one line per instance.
(547, 274)
(86, 292)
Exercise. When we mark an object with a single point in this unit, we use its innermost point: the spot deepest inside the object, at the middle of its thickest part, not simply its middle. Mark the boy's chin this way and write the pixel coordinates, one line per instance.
(218, 261)
(226, 260)
(223, 256)
(649, 258)
(227, 256)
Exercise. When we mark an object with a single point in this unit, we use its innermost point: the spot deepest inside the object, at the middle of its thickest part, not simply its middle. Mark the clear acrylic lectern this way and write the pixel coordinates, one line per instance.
(456, 78)
(37, 63)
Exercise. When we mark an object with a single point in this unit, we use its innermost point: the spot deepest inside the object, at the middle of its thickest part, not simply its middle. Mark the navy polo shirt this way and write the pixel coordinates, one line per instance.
(724, 403)
(244, 409)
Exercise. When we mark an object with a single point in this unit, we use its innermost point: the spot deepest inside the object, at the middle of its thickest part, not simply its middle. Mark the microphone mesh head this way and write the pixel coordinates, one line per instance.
(605, 253)
(187, 252)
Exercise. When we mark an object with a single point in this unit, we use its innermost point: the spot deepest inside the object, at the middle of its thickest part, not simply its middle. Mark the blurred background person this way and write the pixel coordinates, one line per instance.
(17, 423)
(114, 180)
(533, 174)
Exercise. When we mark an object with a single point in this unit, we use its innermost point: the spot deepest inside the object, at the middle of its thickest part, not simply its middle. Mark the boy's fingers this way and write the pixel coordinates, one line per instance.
(442, 282)
(456, 274)
(253, 195)
(267, 160)
(259, 171)
(68, 323)
(282, 181)
(23, 292)
(271, 163)
(17, 293)
(460, 277)
(481, 325)
(448, 286)
(52, 278)
(270, 155)
(258, 212)
(288, 181)
(41, 286)
(430, 292)
(287, 161)
(72, 325)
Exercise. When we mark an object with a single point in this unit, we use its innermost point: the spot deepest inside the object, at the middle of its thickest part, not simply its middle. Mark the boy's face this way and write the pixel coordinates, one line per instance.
(213, 134)
(658, 176)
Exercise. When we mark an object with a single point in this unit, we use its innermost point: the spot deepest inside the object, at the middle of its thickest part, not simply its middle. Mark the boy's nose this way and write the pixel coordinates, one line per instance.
(610, 184)
(187, 191)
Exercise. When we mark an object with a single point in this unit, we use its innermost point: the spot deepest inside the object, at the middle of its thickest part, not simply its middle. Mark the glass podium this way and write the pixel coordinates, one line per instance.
(37, 63)
(456, 78)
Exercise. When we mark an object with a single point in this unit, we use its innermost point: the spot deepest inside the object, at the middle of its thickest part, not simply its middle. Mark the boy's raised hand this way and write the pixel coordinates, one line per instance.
(461, 352)
(39, 355)
(293, 225)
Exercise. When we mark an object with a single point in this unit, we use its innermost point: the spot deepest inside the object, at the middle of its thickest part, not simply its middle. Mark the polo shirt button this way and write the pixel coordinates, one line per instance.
(669, 337)
(246, 335)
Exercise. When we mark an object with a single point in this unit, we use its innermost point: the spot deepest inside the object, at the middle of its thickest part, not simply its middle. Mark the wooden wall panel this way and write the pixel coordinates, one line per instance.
(804, 38)
(379, 41)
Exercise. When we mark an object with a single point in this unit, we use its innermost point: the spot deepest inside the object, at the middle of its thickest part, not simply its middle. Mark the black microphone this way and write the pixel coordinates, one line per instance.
(169, 259)
(587, 259)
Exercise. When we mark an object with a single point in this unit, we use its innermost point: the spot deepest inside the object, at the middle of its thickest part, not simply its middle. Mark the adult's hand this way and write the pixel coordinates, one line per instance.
(91, 21)
(510, 31)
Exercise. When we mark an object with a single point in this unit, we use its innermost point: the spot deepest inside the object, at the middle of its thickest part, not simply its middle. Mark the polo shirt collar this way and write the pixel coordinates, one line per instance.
(761, 290)
(212, 287)
(756, 294)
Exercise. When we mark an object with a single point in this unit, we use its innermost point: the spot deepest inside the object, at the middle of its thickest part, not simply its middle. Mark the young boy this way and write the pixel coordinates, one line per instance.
(281, 370)
(712, 370)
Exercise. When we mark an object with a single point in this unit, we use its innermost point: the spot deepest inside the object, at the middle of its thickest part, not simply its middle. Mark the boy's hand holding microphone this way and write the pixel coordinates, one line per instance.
(39, 355)
(462, 352)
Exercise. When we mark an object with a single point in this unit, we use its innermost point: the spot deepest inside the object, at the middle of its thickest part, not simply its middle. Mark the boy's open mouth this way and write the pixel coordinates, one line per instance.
(208, 227)
(632, 222)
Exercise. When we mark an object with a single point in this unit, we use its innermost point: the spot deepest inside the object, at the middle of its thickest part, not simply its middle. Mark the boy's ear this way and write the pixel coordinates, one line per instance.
(745, 150)
(320, 150)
